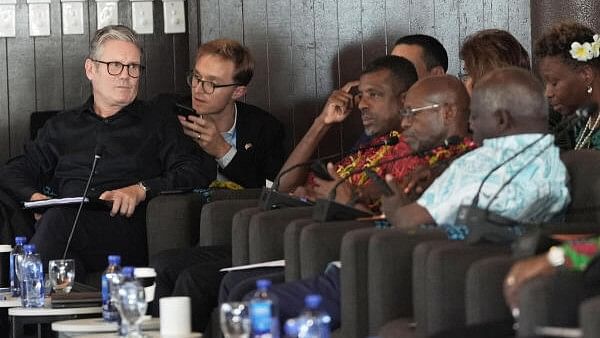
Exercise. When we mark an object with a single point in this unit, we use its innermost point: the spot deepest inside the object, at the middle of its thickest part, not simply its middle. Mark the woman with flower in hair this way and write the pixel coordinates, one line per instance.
(569, 62)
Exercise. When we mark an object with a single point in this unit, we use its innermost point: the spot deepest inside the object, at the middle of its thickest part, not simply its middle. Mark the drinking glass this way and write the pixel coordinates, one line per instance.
(61, 273)
(235, 320)
(132, 307)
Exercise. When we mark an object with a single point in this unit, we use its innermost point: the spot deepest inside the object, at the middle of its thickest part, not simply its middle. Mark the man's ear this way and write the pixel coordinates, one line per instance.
(449, 112)
(239, 92)
(437, 71)
(504, 120)
(89, 69)
(401, 99)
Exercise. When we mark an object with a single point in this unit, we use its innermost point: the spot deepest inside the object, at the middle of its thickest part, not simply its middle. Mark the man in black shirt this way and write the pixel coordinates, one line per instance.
(143, 151)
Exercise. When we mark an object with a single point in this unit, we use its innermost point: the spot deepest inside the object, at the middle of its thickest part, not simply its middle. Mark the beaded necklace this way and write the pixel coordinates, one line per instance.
(586, 133)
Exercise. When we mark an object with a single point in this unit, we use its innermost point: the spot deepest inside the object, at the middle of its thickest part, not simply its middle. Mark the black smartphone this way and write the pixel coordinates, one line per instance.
(183, 110)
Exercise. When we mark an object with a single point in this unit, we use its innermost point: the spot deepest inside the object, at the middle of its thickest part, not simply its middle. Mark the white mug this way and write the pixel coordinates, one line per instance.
(175, 316)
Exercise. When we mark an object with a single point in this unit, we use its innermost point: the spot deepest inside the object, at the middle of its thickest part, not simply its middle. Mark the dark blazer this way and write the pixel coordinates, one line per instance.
(260, 152)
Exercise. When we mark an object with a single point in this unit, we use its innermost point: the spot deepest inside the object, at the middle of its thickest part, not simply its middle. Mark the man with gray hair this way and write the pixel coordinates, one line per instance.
(142, 150)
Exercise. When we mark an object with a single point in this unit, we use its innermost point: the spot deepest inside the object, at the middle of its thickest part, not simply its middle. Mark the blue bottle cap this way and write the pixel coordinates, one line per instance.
(20, 240)
(29, 248)
(312, 301)
(263, 283)
(291, 327)
(114, 260)
(128, 271)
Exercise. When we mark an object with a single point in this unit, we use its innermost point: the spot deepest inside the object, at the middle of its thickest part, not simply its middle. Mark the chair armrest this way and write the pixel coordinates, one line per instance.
(239, 235)
(390, 270)
(291, 247)
(588, 317)
(172, 221)
(265, 232)
(243, 194)
(216, 220)
(444, 274)
(550, 301)
(320, 244)
(354, 298)
(484, 300)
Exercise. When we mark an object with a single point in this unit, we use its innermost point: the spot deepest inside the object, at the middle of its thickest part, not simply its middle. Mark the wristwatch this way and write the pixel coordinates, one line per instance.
(141, 184)
(556, 256)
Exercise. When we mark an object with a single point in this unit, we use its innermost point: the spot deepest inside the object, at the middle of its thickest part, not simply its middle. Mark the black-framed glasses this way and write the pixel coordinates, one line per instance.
(116, 68)
(411, 112)
(193, 80)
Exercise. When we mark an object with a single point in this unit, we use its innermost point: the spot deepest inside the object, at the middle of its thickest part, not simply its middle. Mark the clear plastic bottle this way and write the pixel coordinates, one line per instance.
(16, 258)
(313, 323)
(264, 311)
(109, 312)
(32, 275)
(291, 328)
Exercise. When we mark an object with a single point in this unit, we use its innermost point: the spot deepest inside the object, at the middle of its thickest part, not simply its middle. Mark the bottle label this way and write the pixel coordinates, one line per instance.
(260, 317)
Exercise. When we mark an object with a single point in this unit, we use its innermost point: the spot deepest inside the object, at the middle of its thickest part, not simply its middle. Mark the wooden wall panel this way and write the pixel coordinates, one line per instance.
(21, 80)
(48, 71)
(303, 50)
(257, 40)
(4, 117)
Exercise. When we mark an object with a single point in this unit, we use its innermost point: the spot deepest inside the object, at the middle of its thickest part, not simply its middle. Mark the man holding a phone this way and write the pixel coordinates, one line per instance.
(245, 141)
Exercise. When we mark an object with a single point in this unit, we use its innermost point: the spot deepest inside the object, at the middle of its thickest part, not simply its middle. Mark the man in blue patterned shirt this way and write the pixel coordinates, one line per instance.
(508, 115)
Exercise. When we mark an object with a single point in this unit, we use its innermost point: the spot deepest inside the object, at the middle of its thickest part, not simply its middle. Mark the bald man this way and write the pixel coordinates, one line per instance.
(429, 124)
(508, 114)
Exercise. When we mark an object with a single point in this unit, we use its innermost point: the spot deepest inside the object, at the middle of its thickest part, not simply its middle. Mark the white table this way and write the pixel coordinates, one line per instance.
(20, 316)
(149, 334)
(8, 301)
(76, 327)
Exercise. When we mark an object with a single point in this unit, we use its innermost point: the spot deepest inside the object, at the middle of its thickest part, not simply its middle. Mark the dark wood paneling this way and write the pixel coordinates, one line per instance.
(181, 63)
(447, 28)
(256, 39)
(158, 51)
(326, 66)
(397, 21)
(4, 117)
(231, 22)
(280, 63)
(193, 16)
(209, 19)
(303, 80)
(48, 68)
(21, 81)
(76, 87)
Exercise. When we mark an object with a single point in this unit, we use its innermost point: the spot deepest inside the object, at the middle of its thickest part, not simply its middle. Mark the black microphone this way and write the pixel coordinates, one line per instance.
(271, 198)
(328, 209)
(97, 155)
(485, 224)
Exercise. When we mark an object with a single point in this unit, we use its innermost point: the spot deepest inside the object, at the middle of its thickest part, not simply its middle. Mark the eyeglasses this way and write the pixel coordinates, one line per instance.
(207, 86)
(411, 112)
(115, 68)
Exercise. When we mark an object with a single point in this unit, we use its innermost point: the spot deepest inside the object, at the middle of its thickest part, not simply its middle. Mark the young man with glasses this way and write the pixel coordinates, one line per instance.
(141, 153)
(245, 141)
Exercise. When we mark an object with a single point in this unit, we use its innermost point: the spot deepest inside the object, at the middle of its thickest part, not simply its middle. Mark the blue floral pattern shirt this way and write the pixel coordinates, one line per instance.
(538, 191)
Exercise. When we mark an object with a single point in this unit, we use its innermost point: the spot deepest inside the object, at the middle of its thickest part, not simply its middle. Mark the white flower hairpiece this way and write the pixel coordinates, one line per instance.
(587, 50)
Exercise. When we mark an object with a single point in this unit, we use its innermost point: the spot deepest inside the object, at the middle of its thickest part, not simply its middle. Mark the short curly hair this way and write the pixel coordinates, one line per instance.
(557, 42)
(489, 49)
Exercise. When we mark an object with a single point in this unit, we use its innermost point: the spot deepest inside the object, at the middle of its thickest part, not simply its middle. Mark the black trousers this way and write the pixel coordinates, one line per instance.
(192, 272)
(96, 236)
(239, 285)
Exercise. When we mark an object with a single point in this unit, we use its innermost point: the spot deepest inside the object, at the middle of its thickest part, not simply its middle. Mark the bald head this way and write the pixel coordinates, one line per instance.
(428, 128)
(508, 101)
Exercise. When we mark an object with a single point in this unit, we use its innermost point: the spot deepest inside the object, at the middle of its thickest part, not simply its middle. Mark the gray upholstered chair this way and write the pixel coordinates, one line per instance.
(174, 221)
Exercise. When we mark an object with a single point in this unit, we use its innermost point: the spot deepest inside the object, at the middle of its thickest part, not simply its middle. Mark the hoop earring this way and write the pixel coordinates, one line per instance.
(589, 90)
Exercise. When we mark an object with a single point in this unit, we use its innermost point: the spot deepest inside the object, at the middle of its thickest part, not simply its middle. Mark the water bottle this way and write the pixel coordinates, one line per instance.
(16, 258)
(313, 323)
(109, 312)
(264, 311)
(291, 328)
(32, 275)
